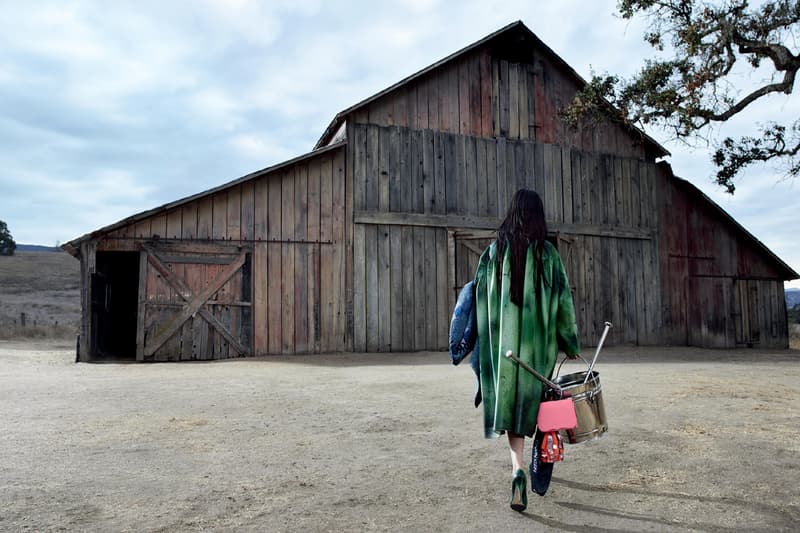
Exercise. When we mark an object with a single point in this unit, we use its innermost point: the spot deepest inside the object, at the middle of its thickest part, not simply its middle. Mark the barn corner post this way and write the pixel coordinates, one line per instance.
(88, 258)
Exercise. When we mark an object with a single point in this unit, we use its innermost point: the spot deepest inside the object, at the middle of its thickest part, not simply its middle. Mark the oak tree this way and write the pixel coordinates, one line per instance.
(7, 244)
(706, 52)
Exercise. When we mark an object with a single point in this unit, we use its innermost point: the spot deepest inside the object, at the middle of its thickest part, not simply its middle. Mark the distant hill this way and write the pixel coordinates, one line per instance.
(792, 297)
(37, 248)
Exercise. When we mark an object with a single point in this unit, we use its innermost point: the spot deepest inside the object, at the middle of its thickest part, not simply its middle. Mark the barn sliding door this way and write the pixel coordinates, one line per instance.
(469, 245)
(194, 302)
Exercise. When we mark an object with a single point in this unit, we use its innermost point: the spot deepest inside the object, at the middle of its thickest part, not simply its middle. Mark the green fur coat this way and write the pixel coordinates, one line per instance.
(534, 333)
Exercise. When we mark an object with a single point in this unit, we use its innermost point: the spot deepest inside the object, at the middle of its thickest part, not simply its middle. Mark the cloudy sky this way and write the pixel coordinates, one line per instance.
(111, 108)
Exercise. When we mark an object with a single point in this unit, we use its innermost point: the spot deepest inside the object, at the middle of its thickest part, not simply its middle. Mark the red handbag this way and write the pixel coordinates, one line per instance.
(555, 415)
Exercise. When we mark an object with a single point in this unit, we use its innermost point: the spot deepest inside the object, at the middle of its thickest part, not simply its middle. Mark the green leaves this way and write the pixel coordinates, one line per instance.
(7, 244)
(711, 47)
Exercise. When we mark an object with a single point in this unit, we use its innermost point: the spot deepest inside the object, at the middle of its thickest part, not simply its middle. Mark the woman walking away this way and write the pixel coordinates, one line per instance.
(523, 304)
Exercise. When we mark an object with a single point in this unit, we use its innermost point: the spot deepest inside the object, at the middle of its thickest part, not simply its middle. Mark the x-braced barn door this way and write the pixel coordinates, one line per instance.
(469, 245)
(194, 302)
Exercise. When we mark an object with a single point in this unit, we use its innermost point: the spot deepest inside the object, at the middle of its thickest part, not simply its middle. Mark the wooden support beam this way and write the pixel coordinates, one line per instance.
(491, 223)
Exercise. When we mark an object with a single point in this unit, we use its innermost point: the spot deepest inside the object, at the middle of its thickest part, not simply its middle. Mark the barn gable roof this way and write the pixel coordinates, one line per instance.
(515, 36)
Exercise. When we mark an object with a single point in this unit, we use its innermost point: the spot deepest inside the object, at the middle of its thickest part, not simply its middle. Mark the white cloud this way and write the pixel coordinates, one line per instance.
(113, 108)
(261, 148)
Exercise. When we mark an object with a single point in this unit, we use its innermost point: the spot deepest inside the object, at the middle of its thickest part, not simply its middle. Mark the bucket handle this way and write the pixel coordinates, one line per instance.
(558, 371)
(590, 366)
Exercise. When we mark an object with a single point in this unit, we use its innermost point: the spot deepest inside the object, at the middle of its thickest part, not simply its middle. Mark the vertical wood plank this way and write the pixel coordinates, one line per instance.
(189, 221)
(576, 168)
(430, 280)
(385, 170)
(359, 293)
(482, 177)
(416, 157)
(405, 177)
(511, 169)
(300, 259)
(565, 178)
(407, 271)
(453, 99)
(557, 182)
(312, 275)
(464, 118)
(485, 66)
(469, 199)
(174, 223)
(372, 288)
(445, 295)
(274, 258)
(247, 209)
(496, 105)
(522, 101)
(503, 197)
(503, 100)
(530, 97)
(439, 153)
(451, 164)
(359, 151)
(396, 302)
(428, 178)
(348, 250)
(141, 307)
(327, 257)
(234, 213)
(384, 289)
(204, 217)
(491, 178)
(287, 261)
(420, 289)
(422, 103)
(338, 206)
(141, 229)
(636, 206)
(371, 179)
(540, 178)
(260, 208)
(260, 303)
(433, 103)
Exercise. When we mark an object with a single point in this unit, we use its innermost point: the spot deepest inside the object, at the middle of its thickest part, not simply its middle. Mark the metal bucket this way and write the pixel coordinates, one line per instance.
(589, 408)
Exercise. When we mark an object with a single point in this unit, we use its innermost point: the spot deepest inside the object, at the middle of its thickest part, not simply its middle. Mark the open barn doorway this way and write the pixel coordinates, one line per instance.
(115, 295)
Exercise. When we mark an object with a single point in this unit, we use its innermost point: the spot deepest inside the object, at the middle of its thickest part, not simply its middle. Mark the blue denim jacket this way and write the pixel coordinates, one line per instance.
(464, 333)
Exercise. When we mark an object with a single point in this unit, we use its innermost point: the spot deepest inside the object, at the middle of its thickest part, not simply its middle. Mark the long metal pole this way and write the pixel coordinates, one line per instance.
(510, 355)
(597, 352)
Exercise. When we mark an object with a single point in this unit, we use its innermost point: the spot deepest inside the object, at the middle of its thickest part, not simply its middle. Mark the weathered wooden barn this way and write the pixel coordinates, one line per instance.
(363, 243)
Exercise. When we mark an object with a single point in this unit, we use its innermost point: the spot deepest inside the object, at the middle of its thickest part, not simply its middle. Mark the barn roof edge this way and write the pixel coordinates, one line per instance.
(73, 246)
(789, 272)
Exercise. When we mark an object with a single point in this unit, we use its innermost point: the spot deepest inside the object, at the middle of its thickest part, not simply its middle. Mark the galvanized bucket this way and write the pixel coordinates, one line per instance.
(589, 408)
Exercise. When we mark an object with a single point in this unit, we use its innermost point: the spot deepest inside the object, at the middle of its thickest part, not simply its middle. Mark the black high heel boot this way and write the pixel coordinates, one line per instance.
(540, 472)
(519, 494)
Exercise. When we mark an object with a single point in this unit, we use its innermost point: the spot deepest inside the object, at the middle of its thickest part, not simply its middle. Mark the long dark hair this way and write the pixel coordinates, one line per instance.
(524, 225)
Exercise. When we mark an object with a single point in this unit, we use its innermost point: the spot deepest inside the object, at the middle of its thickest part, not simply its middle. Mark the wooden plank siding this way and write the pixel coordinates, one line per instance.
(613, 255)
(717, 291)
(486, 95)
(293, 220)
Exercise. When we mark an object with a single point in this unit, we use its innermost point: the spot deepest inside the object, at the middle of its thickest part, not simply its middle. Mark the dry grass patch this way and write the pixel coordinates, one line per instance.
(39, 295)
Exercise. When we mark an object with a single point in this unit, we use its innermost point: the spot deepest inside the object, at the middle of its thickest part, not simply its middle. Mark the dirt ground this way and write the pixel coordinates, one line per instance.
(699, 440)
